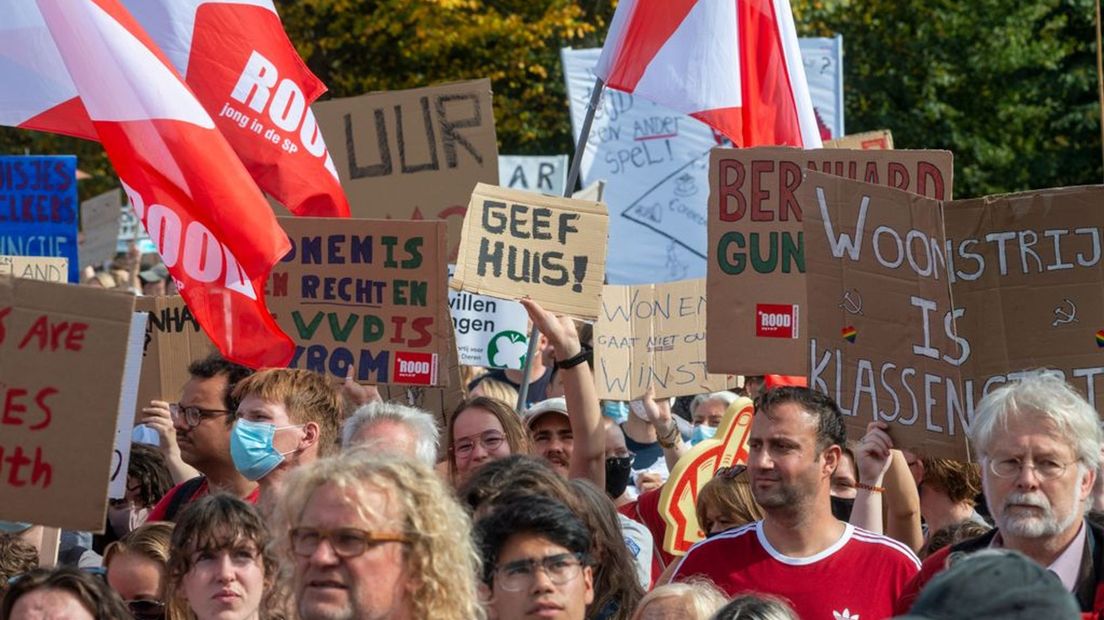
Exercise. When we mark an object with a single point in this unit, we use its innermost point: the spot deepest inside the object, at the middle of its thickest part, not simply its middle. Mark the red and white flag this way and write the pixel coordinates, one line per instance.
(80, 66)
(237, 59)
(733, 64)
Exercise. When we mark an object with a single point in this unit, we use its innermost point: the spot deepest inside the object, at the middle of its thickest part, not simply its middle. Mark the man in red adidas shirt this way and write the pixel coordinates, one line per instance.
(825, 568)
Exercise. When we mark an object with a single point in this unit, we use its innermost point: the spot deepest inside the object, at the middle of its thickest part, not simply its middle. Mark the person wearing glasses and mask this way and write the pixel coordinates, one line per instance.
(535, 562)
(1038, 443)
(372, 536)
(195, 432)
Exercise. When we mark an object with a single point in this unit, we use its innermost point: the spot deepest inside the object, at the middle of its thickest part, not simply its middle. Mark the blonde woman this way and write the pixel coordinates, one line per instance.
(692, 600)
(137, 566)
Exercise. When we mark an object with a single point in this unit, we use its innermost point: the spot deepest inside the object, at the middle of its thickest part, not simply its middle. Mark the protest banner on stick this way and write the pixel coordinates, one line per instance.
(124, 423)
(543, 174)
(489, 332)
(173, 340)
(370, 294)
(99, 236)
(38, 208)
(41, 268)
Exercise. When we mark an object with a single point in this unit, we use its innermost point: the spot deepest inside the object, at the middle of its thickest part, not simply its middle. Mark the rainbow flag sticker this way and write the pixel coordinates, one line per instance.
(849, 333)
(1100, 338)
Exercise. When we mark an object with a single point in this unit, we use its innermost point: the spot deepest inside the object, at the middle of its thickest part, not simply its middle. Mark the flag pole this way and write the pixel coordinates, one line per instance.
(569, 187)
(1100, 77)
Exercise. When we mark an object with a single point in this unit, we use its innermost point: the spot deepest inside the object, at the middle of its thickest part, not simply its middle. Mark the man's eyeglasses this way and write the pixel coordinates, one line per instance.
(192, 416)
(1045, 469)
(519, 575)
(728, 473)
(346, 542)
(490, 440)
(145, 609)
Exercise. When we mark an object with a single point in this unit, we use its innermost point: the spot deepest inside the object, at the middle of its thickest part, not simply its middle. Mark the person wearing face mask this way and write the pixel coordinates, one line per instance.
(148, 480)
(286, 418)
(706, 412)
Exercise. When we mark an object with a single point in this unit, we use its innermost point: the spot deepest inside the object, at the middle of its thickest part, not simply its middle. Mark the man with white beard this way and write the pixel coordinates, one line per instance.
(1038, 442)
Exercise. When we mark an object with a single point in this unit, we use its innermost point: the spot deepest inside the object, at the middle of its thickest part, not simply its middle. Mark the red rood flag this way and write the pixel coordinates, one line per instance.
(733, 64)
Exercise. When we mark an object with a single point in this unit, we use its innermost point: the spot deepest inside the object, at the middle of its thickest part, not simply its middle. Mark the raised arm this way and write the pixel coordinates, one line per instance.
(670, 439)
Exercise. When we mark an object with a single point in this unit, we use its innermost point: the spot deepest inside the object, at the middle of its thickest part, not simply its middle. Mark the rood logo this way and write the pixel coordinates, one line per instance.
(415, 368)
(776, 320)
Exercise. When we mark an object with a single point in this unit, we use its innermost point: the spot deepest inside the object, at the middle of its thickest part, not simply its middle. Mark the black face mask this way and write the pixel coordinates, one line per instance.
(841, 507)
(618, 470)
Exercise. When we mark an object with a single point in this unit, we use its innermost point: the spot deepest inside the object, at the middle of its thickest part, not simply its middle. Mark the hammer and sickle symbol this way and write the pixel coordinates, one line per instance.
(852, 301)
(1061, 317)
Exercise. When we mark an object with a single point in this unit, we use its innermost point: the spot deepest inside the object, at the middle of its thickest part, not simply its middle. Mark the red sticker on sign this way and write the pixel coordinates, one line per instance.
(776, 320)
(414, 368)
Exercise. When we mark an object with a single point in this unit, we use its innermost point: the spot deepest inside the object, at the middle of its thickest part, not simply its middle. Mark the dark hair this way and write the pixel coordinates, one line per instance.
(17, 556)
(958, 480)
(615, 581)
(220, 522)
(952, 535)
(830, 428)
(148, 469)
(94, 595)
(533, 514)
(517, 474)
(215, 365)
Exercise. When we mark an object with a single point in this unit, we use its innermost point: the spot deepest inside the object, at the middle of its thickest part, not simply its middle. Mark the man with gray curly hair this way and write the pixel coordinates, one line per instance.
(1038, 443)
(393, 427)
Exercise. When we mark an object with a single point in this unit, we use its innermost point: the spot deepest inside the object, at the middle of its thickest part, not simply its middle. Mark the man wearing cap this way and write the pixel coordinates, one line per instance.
(1038, 442)
(154, 280)
(550, 430)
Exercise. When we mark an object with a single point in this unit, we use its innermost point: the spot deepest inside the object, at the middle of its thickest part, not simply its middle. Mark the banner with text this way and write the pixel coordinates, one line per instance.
(63, 354)
(490, 332)
(653, 334)
(173, 340)
(756, 278)
(38, 207)
(370, 294)
(543, 174)
(99, 236)
(517, 244)
(451, 147)
(41, 268)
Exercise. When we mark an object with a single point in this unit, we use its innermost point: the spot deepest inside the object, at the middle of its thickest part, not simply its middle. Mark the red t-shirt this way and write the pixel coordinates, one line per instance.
(645, 510)
(158, 512)
(859, 577)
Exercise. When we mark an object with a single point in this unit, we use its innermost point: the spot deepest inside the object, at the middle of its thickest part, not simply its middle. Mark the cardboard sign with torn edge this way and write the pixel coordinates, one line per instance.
(173, 340)
(516, 244)
(41, 268)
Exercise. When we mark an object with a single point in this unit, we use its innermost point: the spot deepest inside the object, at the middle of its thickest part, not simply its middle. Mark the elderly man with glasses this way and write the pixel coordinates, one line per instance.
(1038, 442)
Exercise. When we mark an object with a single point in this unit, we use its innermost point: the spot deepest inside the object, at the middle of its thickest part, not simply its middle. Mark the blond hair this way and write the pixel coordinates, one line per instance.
(152, 541)
(441, 554)
(700, 599)
(307, 395)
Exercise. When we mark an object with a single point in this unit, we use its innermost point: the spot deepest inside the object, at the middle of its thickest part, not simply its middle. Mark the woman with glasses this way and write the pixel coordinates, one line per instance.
(220, 566)
(136, 568)
(482, 430)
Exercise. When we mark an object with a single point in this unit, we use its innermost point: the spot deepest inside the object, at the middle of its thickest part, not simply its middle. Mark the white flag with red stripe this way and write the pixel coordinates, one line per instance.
(733, 64)
(236, 57)
(76, 66)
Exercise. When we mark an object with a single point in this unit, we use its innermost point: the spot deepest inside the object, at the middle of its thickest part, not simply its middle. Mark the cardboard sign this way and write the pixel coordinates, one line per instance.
(868, 141)
(823, 60)
(595, 192)
(38, 208)
(679, 497)
(489, 332)
(516, 244)
(124, 423)
(41, 268)
(132, 231)
(173, 340)
(413, 154)
(756, 262)
(881, 339)
(63, 354)
(439, 401)
(370, 294)
(653, 334)
(543, 174)
(100, 227)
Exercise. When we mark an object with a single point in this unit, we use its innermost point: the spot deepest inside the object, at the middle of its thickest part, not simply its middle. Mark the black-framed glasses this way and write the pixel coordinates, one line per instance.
(192, 416)
(491, 440)
(728, 473)
(146, 609)
(346, 542)
(518, 575)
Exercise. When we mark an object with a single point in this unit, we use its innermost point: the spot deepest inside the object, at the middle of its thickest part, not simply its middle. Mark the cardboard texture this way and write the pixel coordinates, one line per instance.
(62, 358)
(756, 279)
(100, 227)
(866, 141)
(679, 496)
(370, 294)
(489, 332)
(516, 244)
(879, 341)
(413, 154)
(439, 401)
(41, 268)
(173, 341)
(653, 334)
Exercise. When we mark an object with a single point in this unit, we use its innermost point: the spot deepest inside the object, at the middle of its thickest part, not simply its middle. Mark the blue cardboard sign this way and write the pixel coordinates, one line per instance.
(39, 208)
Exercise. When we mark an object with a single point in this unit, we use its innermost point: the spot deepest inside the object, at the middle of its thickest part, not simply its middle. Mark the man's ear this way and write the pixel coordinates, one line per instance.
(311, 434)
(486, 599)
(831, 456)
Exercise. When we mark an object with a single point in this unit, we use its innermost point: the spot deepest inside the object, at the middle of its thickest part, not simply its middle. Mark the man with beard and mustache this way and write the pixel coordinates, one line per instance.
(1038, 442)
(826, 568)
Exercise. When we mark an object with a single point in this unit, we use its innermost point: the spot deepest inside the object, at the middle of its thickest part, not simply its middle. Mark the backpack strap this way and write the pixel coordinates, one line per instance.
(182, 496)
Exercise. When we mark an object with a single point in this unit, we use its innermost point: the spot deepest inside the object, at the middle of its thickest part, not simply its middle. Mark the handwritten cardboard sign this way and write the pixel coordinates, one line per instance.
(679, 497)
(438, 401)
(517, 244)
(543, 174)
(756, 272)
(41, 268)
(100, 227)
(63, 354)
(866, 141)
(173, 340)
(413, 154)
(370, 294)
(490, 332)
(653, 335)
(38, 207)
(881, 341)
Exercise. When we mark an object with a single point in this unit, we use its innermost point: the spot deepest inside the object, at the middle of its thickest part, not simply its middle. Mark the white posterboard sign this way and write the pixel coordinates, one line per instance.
(128, 400)
(544, 174)
(490, 332)
(823, 58)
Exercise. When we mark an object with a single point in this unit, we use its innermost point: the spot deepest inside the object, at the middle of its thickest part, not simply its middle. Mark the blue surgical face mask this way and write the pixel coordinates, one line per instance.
(702, 432)
(252, 449)
(615, 410)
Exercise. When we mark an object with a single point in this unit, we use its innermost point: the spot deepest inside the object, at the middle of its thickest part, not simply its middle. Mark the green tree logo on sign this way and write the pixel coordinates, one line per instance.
(505, 348)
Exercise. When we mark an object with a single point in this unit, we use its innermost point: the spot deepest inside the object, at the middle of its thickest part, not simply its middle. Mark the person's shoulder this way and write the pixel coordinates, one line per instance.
(725, 540)
(884, 545)
(719, 549)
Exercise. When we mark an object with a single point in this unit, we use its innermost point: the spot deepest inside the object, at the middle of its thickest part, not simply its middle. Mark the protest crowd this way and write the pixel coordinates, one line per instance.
(506, 411)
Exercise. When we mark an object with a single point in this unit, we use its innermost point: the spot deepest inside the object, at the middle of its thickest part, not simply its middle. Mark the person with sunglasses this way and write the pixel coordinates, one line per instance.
(136, 568)
(196, 432)
(222, 566)
(377, 536)
(535, 562)
(64, 592)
